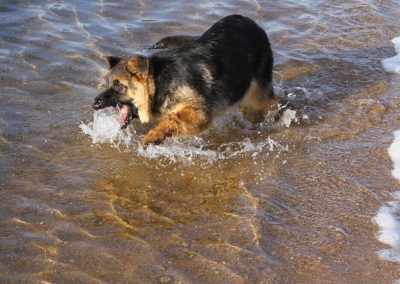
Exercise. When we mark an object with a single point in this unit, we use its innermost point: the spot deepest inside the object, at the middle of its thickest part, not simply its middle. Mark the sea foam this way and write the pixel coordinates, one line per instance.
(392, 64)
(388, 217)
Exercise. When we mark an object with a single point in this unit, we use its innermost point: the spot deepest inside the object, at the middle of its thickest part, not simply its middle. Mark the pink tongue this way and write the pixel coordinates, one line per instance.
(123, 114)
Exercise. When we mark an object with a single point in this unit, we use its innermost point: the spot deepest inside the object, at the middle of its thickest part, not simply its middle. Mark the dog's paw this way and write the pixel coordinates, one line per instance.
(151, 138)
(141, 146)
(144, 144)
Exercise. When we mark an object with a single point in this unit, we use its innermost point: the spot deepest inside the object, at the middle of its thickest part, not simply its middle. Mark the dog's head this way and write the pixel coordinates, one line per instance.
(130, 88)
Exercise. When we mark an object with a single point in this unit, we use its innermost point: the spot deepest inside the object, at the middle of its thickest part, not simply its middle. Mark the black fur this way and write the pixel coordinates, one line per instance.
(174, 41)
(233, 50)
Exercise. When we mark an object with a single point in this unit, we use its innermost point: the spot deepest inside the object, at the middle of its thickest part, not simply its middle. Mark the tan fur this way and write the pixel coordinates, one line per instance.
(184, 120)
(193, 119)
(185, 94)
(258, 99)
(141, 86)
(141, 94)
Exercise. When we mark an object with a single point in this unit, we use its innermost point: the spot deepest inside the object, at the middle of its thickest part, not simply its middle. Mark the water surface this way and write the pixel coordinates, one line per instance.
(241, 203)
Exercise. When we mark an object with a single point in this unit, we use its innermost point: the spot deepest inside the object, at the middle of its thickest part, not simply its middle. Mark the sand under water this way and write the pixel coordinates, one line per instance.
(310, 199)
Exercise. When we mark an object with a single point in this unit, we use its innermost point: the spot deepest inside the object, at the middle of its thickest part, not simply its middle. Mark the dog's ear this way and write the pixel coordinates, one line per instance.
(113, 60)
(138, 66)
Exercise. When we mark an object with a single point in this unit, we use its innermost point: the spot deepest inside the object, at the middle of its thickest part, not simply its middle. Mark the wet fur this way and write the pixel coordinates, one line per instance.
(185, 87)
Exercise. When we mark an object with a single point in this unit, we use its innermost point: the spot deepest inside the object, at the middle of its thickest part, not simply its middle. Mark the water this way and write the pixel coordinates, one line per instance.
(298, 201)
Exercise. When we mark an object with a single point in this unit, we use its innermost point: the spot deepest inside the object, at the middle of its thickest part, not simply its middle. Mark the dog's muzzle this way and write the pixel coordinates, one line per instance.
(110, 98)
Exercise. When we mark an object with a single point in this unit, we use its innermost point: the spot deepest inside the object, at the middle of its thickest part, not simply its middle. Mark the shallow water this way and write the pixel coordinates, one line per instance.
(241, 203)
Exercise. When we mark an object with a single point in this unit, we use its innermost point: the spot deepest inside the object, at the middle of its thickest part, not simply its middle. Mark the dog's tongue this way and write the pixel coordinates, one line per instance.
(123, 114)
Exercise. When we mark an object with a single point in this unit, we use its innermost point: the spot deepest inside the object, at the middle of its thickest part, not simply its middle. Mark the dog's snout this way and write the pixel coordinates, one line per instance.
(107, 98)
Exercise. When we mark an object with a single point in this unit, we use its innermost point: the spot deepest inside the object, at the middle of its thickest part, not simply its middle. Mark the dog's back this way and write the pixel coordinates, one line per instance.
(221, 65)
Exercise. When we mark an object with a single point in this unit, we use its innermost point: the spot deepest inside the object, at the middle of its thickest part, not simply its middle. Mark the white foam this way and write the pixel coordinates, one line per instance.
(388, 218)
(392, 64)
(394, 153)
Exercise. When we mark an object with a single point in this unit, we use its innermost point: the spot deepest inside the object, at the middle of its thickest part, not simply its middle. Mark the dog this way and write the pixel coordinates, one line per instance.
(186, 86)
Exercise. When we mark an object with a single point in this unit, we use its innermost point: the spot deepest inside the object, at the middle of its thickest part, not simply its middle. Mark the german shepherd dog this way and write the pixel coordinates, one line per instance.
(183, 88)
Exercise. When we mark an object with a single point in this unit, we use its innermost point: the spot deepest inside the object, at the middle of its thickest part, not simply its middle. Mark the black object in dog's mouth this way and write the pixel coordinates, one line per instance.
(126, 113)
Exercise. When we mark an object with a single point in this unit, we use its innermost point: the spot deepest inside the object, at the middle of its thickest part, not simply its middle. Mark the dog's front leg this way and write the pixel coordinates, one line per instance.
(166, 127)
(185, 120)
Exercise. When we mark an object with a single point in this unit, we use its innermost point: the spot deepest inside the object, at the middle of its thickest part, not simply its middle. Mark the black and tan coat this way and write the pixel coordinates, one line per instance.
(184, 88)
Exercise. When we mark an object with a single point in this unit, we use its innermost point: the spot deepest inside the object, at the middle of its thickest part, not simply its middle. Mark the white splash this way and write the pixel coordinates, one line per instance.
(288, 117)
(392, 64)
(388, 218)
(175, 149)
(105, 128)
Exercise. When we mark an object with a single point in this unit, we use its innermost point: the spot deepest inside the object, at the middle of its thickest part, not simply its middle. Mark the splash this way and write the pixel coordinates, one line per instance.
(105, 129)
(288, 117)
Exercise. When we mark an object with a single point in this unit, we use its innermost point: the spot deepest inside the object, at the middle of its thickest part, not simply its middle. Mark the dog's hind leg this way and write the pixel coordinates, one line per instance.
(259, 101)
(174, 42)
(185, 120)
